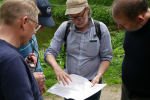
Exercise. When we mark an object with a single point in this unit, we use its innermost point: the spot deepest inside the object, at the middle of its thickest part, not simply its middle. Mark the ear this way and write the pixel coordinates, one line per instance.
(140, 18)
(24, 22)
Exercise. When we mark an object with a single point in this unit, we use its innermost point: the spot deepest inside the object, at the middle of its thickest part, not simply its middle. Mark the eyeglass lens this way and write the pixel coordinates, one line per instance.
(78, 17)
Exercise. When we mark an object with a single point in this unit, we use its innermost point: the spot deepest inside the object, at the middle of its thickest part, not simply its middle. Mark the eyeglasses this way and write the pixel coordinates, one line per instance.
(37, 27)
(34, 50)
(78, 17)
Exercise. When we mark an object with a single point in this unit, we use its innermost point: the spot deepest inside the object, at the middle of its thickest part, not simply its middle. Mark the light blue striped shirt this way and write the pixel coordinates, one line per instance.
(27, 49)
(83, 57)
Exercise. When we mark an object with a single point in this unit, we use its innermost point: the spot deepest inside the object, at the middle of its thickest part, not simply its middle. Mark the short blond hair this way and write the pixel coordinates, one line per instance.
(13, 9)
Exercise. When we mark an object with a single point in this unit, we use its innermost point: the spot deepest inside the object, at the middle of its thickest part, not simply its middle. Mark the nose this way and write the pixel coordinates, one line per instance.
(120, 27)
(75, 21)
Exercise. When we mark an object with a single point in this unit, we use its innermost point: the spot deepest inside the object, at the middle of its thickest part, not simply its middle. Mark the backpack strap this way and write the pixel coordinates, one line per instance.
(66, 33)
(97, 29)
(65, 39)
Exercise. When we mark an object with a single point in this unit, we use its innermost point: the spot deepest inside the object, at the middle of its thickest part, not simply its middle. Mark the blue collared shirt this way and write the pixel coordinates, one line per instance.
(83, 57)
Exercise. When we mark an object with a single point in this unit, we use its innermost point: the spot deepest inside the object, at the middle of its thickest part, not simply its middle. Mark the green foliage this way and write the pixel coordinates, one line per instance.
(57, 1)
(61, 56)
(99, 13)
(50, 78)
(59, 11)
(101, 2)
(1, 1)
(117, 40)
(102, 13)
(113, 29)
(113, 73)
(97, 2)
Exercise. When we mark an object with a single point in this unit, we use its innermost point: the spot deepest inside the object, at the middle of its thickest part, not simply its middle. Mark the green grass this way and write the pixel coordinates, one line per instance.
(113, 74)
(50, 78)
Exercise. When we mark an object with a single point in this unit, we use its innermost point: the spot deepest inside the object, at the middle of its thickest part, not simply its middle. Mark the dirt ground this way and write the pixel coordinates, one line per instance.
(109, 92)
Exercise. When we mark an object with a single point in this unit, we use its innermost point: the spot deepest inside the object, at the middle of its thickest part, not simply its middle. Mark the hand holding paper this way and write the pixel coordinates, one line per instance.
(79, 89)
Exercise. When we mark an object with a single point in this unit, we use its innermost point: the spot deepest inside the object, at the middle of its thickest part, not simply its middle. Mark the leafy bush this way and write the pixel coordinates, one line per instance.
(102, 13)
(1, 1)
(99, 13)
(50, 77)
(61, 56)
(118, 40)
(113, 73)
(59, 11)
(101, 2)
(97, 2)
(57, 1)
(91, 2)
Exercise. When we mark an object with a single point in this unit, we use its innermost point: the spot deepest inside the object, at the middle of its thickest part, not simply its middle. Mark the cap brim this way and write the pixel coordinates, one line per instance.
(46, 21)
(74, 10)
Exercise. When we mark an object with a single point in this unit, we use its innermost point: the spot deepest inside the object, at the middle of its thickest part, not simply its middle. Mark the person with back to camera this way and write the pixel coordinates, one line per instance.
(45, 20)
(88, 55)
(18, 22)
(134, 17)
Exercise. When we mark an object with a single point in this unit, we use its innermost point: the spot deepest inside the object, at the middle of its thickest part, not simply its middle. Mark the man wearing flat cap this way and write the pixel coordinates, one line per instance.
(87, 55)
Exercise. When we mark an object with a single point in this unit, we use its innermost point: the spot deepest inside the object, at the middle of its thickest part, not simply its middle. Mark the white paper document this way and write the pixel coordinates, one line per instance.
(79, 89)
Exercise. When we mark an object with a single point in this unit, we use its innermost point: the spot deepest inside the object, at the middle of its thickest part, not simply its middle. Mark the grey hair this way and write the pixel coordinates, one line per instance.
(90, 12)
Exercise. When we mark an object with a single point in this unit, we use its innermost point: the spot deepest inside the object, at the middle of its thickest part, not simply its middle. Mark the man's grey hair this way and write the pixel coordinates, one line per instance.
(90, 12)
(13, 9)
(130, 8)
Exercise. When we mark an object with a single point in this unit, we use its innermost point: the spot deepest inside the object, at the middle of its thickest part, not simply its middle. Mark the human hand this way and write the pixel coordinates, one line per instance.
(96, 80)
(31, 61)
(42, 88)
(39, 77)
(60, 74)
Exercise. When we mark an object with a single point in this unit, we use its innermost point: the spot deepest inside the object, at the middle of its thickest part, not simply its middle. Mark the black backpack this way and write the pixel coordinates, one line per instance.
(97, 28)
